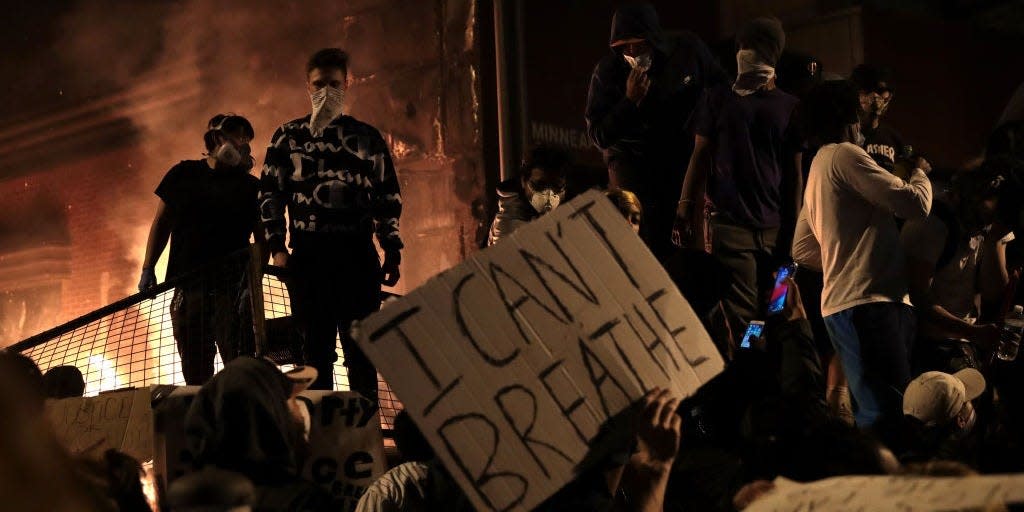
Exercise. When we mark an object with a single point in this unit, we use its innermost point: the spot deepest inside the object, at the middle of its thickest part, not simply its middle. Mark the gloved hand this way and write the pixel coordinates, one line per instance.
(148, 279)
(391, 274)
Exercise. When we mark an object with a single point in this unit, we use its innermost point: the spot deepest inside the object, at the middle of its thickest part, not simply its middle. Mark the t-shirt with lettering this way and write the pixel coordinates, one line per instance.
(883, 144)
(955, 284)
(212, 211)
(752, 140)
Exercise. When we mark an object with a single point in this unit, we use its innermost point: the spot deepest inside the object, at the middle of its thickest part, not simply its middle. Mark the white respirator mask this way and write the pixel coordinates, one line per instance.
(545, 200)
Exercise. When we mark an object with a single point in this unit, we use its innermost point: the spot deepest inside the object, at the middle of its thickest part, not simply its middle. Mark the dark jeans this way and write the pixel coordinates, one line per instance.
(811, 284)
(332, 285)
(748, 255)
(658, 188)
(873, 343)
(210, 314)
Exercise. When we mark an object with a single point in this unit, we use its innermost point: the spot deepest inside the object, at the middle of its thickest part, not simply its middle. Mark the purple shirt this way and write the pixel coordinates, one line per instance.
(751, 140)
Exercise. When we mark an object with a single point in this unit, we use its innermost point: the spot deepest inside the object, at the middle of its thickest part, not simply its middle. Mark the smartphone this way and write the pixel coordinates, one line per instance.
(754, 331)
(781, 290)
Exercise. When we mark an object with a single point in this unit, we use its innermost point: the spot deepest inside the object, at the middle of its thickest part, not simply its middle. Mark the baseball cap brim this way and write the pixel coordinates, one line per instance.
(302, 376)
(974, 382)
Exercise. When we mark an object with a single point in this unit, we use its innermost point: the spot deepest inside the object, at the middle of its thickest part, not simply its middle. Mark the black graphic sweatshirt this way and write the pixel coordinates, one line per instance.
(336, 187)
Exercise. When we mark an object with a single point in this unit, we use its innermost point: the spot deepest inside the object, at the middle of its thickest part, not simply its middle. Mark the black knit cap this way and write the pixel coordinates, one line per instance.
(867, 77)
(765, 36)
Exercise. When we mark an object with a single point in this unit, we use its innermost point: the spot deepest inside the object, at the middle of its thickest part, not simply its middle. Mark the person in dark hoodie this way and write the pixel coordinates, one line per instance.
(641, 94)
(747, 156)
(240, 422)
(539, 189)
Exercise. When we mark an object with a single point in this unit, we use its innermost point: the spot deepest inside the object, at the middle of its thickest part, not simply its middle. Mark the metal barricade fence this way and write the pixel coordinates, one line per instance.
(131, 343)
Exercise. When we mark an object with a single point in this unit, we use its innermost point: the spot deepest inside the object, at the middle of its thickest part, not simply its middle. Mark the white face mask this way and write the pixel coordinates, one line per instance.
(640, 63)
(327, 103)
(752, 74)
(545, 200)
(228, 155)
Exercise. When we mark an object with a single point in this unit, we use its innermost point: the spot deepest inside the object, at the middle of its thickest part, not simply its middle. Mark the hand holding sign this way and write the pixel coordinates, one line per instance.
(659, 431)
(511, 362)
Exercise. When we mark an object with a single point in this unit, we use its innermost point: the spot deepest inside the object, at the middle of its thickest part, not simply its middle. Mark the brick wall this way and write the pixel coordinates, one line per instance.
(416, 82)
(85, 189)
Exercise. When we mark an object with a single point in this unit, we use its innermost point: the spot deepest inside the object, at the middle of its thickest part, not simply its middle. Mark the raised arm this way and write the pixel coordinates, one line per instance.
(907, 199)
(611, 114)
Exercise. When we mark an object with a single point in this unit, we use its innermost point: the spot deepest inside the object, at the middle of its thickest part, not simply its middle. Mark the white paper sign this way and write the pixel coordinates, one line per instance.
(896, 493)
(511, 361)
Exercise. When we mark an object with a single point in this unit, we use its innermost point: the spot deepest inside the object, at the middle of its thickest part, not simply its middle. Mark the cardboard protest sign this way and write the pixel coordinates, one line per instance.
(511, 362)
(122, 420)
(903, 493)
(346, 443)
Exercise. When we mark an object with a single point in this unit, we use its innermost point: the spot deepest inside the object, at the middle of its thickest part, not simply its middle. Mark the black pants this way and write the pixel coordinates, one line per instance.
(657, 186)
(749, 255)
(209, 314)
(332, 285)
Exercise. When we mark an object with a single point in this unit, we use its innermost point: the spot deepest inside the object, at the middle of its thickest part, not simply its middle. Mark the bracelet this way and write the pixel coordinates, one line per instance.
(685, 201)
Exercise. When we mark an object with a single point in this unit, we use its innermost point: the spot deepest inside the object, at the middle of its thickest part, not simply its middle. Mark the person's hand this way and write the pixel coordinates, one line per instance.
(922, 164)
(659, 431)
(684, 232)
(392, 260)
(794, 308)
(636, 85)
(148, 279)
(751, 492)
(988, 336)
(280, 259)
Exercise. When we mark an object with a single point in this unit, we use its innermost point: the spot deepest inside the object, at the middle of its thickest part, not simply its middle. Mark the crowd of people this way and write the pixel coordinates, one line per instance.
(888, 352)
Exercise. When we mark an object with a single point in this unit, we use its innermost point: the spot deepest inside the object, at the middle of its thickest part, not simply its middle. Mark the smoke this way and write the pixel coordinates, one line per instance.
(181, 63)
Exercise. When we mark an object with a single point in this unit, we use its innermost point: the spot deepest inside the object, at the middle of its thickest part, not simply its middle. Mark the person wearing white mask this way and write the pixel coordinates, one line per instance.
(335, 177)
(746, 159)
(641, 94)
(208, 209)
(539, 189)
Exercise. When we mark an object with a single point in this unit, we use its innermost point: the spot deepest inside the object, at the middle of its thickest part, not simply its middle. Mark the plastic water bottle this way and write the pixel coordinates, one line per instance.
(1013, 329)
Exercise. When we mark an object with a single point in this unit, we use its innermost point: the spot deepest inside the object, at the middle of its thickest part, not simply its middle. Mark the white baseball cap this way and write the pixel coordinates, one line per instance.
(302, 377)
(937, 397)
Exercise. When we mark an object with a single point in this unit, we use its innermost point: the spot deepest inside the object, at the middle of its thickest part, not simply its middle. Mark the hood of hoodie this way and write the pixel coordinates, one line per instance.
(239, 421)
(512, 201)
(637, 21)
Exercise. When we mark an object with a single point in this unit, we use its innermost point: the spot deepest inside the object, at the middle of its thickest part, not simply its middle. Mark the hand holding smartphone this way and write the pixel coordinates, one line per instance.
(754, 332)
(777, 302)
